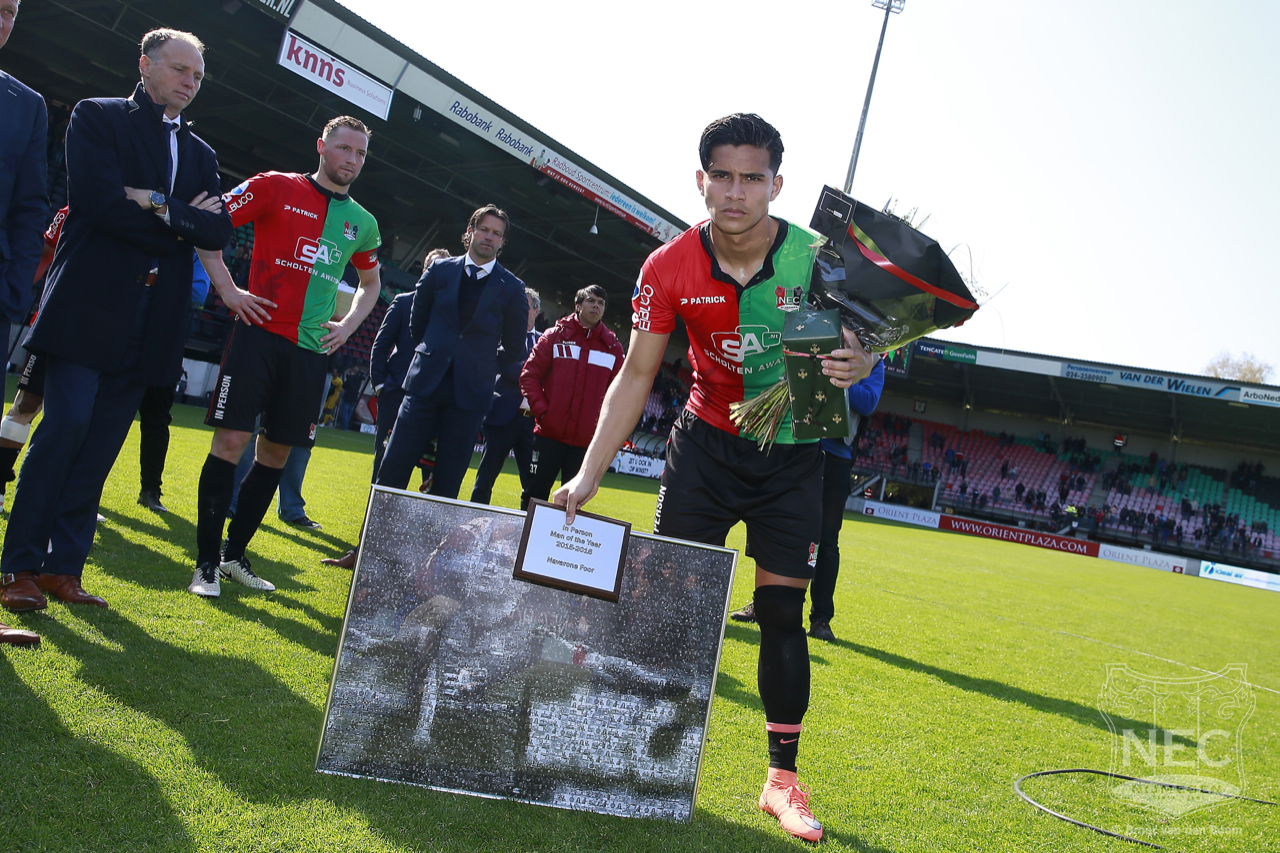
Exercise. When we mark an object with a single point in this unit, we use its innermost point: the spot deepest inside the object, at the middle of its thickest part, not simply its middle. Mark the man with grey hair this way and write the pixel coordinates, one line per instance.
(508, 426)
(23, 207)
(142, 192)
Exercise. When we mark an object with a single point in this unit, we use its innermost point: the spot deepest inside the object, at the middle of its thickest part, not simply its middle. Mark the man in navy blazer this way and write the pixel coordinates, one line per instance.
(24, 206)
(463, 309)
(505, 430)
(116, 308)
(389, 361)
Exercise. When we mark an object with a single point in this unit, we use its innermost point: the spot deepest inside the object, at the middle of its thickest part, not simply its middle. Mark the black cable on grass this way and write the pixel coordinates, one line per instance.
(1017, 787)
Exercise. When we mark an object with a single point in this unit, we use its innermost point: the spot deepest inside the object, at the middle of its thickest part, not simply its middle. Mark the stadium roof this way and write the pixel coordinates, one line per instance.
(1195, 409)
(278, 69)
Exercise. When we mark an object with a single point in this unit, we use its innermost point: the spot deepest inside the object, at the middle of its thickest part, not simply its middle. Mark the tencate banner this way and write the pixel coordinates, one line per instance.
(1244, 577)
(1018, 535)
(328, 72)
(898, 512)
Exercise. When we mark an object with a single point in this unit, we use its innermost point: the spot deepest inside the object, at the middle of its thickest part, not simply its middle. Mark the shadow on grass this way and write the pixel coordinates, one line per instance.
(130, 562)
(241, 723)
(73, 794)
(1084, 714)
(258, 738)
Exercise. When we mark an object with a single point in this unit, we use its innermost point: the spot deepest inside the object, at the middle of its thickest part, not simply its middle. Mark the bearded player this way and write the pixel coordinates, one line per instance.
(733, 279)
(307, 228)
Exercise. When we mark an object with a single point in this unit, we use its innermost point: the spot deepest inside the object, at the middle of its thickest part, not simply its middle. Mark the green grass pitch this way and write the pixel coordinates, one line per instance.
(173, 723)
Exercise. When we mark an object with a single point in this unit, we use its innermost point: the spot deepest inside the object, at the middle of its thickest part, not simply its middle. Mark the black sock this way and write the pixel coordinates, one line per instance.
(217, 481)
(8, 459)
(783, 669)
(256, 491)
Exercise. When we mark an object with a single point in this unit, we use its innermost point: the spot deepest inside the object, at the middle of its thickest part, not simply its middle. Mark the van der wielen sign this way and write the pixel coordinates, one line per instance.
(337, 76)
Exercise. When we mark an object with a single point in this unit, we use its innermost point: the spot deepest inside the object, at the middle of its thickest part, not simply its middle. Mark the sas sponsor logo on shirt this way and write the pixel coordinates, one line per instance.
(702, 300)
(321, 251)
(745, 341)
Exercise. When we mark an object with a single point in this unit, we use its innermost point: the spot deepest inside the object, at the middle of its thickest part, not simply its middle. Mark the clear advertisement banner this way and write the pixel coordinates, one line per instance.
(1020, 536)
(336, 75)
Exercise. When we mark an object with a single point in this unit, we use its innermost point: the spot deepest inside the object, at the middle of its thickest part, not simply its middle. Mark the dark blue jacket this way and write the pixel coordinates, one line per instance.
(24, 206)
(393, 345)
(864, 396)
(506, 392)
(109, 243)
(500, 319)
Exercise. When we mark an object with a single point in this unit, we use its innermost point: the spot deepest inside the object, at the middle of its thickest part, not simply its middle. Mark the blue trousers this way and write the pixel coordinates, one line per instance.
(87, 416)
(422, 419)
(289, 503)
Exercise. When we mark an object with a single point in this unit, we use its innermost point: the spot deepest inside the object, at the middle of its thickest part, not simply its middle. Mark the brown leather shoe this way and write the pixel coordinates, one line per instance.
(67, 589)
(20, 593)
(17, 636)
(346, 561)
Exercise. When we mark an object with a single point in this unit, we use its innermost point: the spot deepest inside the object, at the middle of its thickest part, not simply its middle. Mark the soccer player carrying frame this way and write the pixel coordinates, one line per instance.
(732, 280)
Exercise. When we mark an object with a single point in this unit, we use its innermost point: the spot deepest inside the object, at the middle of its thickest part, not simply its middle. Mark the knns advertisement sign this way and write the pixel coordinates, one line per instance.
(329, 72)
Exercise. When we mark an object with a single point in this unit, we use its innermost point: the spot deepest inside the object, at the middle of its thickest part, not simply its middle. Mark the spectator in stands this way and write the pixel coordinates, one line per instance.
(565, 380)
(240, 267)
(995, 494)
(116, 310)
(509, 425)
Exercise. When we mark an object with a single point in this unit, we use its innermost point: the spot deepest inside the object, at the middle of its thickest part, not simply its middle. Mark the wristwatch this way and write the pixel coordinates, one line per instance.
(158, 200)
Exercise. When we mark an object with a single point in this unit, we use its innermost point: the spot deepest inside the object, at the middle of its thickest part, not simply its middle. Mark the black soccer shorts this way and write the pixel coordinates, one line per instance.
(31, 377)
(714, 479)
(265, 374)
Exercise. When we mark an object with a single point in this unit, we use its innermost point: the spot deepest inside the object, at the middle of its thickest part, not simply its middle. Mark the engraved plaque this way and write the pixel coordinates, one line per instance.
(455, 675)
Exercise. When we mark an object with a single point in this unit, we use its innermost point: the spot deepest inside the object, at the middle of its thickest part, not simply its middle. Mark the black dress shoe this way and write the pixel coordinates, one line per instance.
(346, 561)
(304, 522)
(151, 500)
(821, 630)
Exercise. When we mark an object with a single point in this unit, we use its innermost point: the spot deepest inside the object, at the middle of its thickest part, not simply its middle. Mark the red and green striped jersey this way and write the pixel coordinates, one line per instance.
(735, 332)
(303, 238)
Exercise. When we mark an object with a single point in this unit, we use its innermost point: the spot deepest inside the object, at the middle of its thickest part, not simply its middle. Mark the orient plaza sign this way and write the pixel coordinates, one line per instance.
(329, 72)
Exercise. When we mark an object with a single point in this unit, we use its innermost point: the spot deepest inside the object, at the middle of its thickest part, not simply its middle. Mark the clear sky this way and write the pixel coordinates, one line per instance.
(1111, 165)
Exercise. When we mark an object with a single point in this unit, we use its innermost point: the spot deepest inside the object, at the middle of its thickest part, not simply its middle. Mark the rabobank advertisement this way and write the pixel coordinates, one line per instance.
(464, 112)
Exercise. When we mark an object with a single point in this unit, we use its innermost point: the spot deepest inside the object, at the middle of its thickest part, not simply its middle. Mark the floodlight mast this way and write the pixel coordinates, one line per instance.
(890, 7)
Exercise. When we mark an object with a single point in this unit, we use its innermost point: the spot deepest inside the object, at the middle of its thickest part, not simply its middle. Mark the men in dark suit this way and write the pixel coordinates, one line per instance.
(23, 207)
(389, 362)
(115, 311)
(505, 429)
(462, 310)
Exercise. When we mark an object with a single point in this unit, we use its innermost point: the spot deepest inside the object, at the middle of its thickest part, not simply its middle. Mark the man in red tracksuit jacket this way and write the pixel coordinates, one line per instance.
(564, 380)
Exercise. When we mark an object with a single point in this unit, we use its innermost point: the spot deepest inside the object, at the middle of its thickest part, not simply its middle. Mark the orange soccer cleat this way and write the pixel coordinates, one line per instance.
(787, 800)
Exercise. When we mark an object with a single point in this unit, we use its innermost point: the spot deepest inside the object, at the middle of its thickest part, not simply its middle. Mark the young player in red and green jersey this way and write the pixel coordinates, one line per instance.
(732, 280)
(306, 230)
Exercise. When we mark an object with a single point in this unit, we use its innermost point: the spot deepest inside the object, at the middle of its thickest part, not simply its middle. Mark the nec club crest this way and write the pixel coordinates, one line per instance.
(350, 231)
(789, 298)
